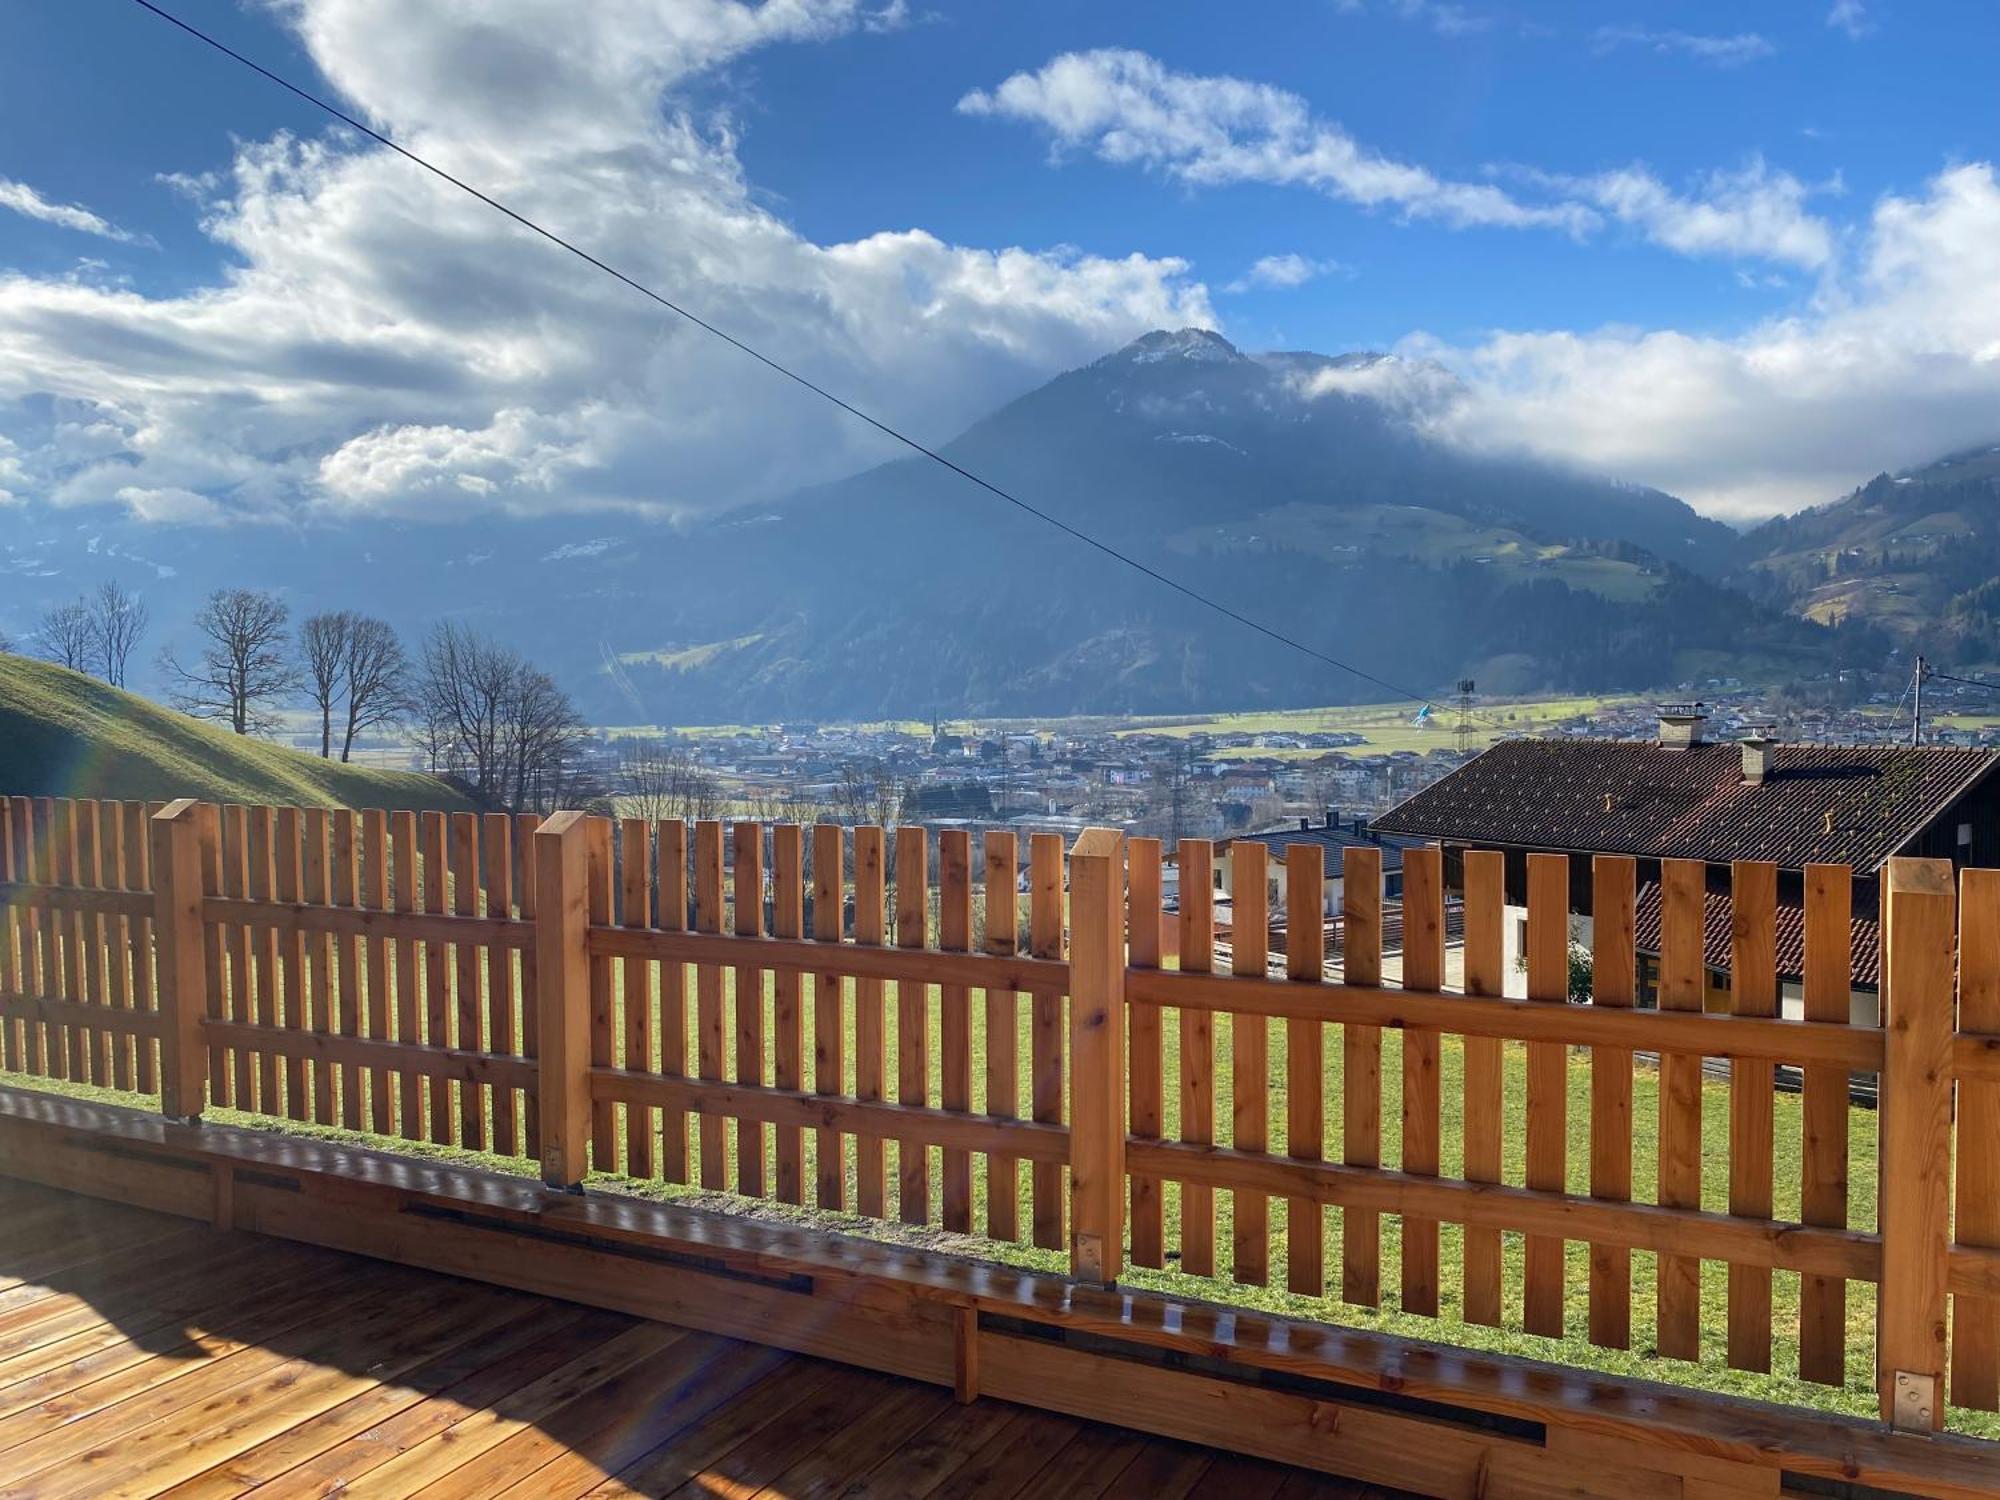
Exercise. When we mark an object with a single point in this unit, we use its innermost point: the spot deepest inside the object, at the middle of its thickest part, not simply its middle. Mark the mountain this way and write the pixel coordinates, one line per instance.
(1915, 556)
(1292, 486)
(66, 735)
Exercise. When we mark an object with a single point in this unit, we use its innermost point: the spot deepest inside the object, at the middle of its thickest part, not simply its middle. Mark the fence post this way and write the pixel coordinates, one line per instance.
(1915, 1119)
(183, 966)
(1097, 1055)
(562, 995)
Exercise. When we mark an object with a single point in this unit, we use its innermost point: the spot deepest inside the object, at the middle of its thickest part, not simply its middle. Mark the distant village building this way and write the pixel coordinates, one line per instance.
(1681, 797)
(1333, 838)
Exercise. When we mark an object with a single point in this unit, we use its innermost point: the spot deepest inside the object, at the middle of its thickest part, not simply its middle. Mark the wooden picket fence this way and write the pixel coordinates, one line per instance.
(871, 1027)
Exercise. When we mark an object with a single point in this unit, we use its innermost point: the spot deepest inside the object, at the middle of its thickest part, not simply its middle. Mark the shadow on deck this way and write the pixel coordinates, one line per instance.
(144, 1355)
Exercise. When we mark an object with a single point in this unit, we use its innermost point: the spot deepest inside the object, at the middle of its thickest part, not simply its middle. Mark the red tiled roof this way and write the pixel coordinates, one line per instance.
(1852, 805)
(1865, 946)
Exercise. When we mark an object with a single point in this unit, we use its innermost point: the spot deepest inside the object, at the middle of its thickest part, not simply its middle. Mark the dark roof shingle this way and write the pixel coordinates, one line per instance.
(1864, 937)
(1853, 805)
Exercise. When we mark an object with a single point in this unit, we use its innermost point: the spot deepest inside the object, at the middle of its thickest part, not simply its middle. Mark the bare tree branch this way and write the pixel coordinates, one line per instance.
(244, 668)
(68, 637)
(118, 618)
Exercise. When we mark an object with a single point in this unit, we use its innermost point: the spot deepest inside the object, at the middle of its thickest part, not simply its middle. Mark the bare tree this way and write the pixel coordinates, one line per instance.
(118, 618)
(378, 680)
(866, 792)
(666, 781)
(323, 646)
(67, 636)
(244, 667)
(498, 723)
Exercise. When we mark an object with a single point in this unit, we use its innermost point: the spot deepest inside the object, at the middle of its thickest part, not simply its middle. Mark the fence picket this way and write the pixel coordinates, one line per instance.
(1305, 1070)
(1361, 1062)
(829, 870)
(1975, 1321)
(672, 865)
(748, 846)
(788, 919)
(1423, 969)
(1145, 1077)
(635, 910)
(73, 1047)
(526, 850)
(13, 1047)
(247, 1081)
(1681, 984)
(502, 992)
(871, 1045)
(955, 1024)
(139, 932)
(375, 896)
(1047, 1082)
(409, 1024)
(601, 878)
(1753, 979)
(1003, 1043)
(468, 1031)
(317, 973)
(436, 828)
(710, 1039)
(116, 942)
(1485, 1099)
(347, 959)
(1548, 1087)
(912, 1021)
(1829, 937)
(1250, 1052)
(1613, 984)
(1197, 861)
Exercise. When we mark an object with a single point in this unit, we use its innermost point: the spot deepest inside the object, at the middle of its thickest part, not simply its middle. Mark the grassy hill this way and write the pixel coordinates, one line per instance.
(66, 735)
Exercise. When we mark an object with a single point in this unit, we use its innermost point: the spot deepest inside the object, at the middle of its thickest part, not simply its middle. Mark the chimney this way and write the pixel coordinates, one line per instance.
(1332, 816)
(1305, 825)
(1756, 758)
(1680, 725)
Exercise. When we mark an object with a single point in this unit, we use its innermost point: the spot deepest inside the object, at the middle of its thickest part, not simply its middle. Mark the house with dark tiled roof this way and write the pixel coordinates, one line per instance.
(1333, 838)
(1681, 797)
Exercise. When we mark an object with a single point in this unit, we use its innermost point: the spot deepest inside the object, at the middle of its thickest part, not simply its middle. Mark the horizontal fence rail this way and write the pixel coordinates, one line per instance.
(1007, 1041)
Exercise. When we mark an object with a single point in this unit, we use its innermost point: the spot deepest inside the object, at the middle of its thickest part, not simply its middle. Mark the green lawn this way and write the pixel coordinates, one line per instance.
(63, 734)
(1856, 1397)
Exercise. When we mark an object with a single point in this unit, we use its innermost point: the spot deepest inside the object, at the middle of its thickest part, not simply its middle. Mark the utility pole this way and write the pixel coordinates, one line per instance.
(1917, 708)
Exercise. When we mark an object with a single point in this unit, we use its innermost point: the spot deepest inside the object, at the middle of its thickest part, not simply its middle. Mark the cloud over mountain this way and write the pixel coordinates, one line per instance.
(383, 344)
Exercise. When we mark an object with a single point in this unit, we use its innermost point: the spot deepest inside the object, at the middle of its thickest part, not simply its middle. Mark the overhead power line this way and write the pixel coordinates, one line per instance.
(779, 368)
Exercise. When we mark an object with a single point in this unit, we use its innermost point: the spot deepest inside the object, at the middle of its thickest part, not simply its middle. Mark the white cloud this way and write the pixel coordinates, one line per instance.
(384, 344)
(1722, 51)
(1130, 109)
(1754, 213)
(1850, 16)
(1894, 369)
(1278, 272)
(24, 200)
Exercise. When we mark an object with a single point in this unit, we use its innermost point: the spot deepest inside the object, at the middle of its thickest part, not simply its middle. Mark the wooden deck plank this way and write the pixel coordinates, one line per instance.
(670, 1464)
(209, 1365)
(369, 1409)
(488, 1427)
(55, 1401)
(940, 1449)
(611, 1424)
(335, 1468)
(368, 1352)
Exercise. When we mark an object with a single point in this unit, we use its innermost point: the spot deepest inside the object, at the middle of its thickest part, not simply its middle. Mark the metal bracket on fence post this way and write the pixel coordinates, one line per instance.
(1914, 1403)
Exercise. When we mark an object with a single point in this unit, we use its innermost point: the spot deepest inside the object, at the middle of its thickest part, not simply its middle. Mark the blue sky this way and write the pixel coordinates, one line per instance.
(1745, 253)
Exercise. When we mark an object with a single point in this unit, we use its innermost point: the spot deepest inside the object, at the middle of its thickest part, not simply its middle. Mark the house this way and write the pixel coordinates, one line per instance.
(1682, 797)
(1333, 838)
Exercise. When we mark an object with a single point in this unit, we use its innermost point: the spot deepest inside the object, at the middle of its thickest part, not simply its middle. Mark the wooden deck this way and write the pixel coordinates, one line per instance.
(146, 1355)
